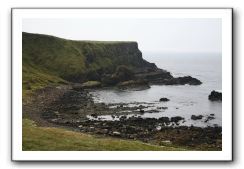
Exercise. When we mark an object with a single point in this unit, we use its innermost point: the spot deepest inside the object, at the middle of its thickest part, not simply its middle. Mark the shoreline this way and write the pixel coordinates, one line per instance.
(64, 107)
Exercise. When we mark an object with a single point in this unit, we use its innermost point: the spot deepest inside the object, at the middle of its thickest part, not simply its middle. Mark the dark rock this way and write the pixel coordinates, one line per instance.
(194, 117)
(134, 84)
(122, 118)
(183, 80)
(142, 111)
(94, 115)
(164, 120)
(215, 96)
(122, 73)
(176, 119)
(154, 76)
(209, 118)
(164, 99)
(163, 108)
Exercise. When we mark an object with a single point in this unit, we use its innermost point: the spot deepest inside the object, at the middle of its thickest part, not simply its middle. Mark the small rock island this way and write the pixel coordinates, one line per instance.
(58, 75)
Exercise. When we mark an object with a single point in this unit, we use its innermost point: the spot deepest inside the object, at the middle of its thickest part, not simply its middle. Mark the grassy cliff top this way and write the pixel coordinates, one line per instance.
(81, 41)
(52, 60)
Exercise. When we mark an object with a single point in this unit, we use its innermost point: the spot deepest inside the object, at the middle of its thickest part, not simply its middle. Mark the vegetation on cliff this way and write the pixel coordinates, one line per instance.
(48, 59)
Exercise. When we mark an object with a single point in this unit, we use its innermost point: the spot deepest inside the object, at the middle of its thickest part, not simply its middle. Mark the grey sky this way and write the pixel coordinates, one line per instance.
(157, 35)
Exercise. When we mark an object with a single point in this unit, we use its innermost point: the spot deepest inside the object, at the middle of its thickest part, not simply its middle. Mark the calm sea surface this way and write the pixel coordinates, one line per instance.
(184, 100)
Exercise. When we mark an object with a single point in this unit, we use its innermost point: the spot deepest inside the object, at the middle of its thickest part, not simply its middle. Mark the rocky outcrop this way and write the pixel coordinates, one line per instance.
(133, 84)
(183, 81)
(163, 99)
(80, 61)
(195, 117)
(215, 96)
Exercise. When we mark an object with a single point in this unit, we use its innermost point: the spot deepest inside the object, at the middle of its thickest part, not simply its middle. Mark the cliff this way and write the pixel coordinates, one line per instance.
(76, 61)
(51, 60)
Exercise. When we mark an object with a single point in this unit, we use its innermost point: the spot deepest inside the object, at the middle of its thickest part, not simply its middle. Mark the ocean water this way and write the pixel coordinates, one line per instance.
(185, 100)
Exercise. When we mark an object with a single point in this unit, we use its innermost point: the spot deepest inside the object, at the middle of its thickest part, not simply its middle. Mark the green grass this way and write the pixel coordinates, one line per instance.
(56, 139)
(35, 78)
(73, 60)
(51, 61)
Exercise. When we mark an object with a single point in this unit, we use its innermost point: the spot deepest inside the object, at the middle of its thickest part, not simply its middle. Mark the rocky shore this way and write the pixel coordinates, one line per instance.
(56, 92)
(70, 107)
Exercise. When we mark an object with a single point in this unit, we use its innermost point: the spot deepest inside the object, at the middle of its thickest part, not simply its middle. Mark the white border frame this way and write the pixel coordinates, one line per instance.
(19, 14)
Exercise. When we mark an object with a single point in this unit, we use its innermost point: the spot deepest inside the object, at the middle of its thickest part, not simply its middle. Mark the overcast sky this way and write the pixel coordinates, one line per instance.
(154, 35)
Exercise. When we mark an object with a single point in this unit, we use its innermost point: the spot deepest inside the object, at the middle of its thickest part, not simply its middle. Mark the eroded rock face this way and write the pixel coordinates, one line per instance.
(215, 96)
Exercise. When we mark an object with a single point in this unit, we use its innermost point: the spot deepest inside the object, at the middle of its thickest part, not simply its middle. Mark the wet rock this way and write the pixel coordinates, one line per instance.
(94, 115)
(164, 120)
(176, 119)
(195, 117)
(209, 118)
(215, 96)
(162, 108)
(122, 118)
(163, 99)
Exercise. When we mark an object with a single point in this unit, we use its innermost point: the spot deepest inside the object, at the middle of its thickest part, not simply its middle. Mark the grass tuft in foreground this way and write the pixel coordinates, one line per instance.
(56, 139)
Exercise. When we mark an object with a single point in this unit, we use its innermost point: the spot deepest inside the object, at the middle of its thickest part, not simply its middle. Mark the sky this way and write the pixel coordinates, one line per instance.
(200, 35)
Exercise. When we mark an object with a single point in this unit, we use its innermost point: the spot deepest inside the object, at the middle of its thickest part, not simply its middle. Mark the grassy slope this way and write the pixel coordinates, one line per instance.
(57, 139)
(48, 60)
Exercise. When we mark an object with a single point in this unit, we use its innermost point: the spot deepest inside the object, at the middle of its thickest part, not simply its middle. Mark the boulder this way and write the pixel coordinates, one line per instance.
(176, 119)
(215, 96)
(142, 111)
(163, 99)
(195, 117)
(116, 133)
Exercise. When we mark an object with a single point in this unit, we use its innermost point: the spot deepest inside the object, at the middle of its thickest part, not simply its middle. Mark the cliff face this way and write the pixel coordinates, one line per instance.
(79, 61)
(51, 60)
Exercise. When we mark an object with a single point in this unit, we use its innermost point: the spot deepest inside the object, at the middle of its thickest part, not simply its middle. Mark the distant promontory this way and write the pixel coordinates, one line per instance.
(51, 60)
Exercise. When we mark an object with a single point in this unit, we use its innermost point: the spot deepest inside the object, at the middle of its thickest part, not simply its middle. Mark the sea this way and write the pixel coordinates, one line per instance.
(185, 100)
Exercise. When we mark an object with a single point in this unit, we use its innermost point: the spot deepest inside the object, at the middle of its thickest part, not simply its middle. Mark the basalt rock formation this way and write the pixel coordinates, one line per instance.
(51, 60)
(215, 96)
